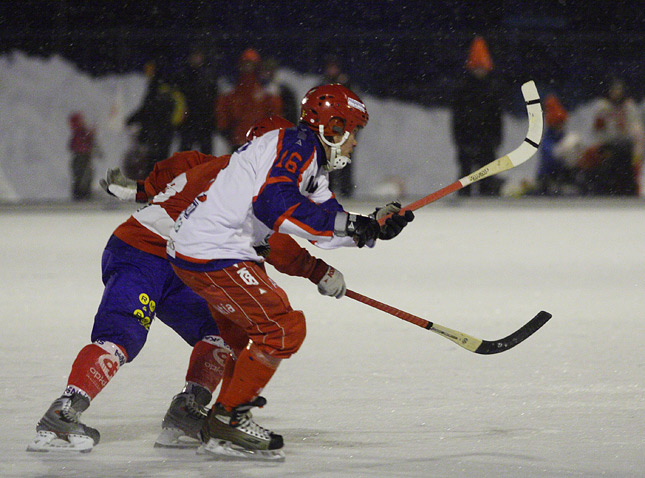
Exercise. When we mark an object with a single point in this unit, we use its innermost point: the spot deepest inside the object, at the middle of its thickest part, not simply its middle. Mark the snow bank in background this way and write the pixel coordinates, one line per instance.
(405, 148)
(36, 98)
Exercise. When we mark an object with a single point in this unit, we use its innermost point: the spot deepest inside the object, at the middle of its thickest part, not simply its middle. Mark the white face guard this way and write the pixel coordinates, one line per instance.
(336, 160)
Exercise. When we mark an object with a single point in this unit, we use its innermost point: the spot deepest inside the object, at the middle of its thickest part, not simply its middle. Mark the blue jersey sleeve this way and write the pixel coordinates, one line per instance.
(332, 205)
(280, 200)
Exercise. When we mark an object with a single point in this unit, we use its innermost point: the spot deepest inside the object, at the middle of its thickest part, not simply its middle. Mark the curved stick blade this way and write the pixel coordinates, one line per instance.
(488, 347)
(533, 137)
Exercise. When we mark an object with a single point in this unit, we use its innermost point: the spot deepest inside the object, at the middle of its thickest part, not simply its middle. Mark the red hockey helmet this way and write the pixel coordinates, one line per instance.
(267, 124)
(334, 107)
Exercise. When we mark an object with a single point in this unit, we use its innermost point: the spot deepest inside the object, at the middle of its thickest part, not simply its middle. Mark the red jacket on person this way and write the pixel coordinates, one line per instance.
(82, 140)
(241, 108)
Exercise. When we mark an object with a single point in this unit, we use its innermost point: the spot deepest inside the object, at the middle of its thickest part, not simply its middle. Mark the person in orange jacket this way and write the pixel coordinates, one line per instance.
(477, 125)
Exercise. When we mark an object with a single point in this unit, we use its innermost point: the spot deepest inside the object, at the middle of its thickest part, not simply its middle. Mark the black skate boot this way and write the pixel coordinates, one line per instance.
(185, 418)
(234, 435)
(60, 428)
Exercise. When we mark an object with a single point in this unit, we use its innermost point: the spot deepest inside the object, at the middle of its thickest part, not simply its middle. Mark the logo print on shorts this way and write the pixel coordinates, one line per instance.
(146, 313)
(246, 276)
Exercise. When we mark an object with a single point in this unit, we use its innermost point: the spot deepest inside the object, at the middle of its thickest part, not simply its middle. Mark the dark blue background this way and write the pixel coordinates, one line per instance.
(410, 50)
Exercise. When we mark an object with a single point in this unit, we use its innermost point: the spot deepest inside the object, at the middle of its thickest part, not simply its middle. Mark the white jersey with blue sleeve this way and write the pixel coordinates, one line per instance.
(274, 183)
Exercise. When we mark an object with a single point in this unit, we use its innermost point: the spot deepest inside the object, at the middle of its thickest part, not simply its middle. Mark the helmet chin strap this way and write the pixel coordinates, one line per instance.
(336, 160)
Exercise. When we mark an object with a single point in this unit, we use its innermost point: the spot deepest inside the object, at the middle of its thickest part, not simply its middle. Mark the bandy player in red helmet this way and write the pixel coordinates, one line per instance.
(141, 286)
(275, 183)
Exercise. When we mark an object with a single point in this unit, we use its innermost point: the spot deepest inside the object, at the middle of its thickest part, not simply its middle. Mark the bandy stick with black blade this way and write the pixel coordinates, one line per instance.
(473, 344)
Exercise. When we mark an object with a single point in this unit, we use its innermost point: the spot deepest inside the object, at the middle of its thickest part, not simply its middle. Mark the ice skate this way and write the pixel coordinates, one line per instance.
(60, 429)
(235, 436)
(185, 418)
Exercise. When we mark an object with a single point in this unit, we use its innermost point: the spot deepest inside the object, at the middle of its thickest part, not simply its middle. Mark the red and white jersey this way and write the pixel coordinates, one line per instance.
(165, 171)
(614, 122)
(148, 228)
(274, 183)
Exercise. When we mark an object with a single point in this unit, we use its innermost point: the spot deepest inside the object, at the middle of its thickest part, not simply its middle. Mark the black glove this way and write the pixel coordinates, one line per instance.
(394, 225)
(363, 229)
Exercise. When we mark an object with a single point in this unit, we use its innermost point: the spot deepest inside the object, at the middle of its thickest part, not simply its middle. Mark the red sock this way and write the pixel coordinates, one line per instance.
(207, 361)
(94, 366)
(250, 376)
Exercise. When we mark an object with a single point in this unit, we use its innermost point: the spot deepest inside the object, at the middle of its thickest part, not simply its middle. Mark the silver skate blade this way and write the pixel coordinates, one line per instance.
(50, 442)
(175, 438)
(227, 451)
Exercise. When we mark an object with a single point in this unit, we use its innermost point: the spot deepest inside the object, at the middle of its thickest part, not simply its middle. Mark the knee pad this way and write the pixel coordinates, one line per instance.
(234, 336)
(285, 338)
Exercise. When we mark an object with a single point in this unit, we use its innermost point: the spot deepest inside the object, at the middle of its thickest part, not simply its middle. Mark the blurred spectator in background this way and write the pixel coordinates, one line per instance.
(198, 83)
(83, 146)
(341, 181)
(290, 104)
(333, 72)
(153, 124)
(613, 163)
(559, 152)
(477, 117)
(247, 103)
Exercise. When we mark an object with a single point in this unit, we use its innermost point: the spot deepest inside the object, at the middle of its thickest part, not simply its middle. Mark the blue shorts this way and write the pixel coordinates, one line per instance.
(139, 287)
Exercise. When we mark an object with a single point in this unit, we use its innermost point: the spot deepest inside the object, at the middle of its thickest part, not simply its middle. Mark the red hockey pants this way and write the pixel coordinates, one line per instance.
(245, 295)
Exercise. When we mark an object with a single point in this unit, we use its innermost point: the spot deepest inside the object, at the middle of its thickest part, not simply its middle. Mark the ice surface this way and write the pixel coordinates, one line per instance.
(368, 395)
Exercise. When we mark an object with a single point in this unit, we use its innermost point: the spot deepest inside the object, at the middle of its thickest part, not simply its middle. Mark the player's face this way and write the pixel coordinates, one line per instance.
(348, 146)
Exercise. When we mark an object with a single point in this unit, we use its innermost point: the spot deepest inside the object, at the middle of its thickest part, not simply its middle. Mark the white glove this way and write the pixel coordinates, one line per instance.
(390, 208)
(332, 284)
(116, 184)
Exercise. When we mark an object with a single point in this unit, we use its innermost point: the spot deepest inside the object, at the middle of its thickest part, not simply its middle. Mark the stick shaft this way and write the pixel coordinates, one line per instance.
(468, 342)
(389, 309)
(463, 340)
(418, 204)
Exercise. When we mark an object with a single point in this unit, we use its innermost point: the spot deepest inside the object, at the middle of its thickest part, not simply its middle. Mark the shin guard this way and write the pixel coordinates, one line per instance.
(207, 362)
(250, 375)
(94, 366)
